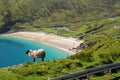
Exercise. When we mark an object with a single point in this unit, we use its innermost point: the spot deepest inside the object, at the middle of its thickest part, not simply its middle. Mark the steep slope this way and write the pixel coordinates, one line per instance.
(104, 51)
(16, 14)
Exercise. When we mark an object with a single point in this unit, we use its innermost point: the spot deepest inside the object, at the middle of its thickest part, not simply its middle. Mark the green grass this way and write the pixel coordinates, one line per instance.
(41, 70)
(104, 51)
(47, 13)
(85, 21)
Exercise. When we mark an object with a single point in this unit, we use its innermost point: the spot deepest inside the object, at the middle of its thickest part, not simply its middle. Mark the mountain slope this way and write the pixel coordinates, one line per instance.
(53, 12)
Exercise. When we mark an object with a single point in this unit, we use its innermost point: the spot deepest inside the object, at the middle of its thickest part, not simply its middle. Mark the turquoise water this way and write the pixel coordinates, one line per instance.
(12, 51)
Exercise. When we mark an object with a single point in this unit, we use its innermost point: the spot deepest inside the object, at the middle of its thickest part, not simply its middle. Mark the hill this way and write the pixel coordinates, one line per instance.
(18, 15)
(95, 21)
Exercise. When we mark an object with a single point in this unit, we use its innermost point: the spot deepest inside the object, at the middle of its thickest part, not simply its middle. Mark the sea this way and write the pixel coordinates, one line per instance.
(13, 51)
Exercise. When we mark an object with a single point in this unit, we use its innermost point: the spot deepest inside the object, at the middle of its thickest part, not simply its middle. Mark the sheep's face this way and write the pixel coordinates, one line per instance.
(28, 51)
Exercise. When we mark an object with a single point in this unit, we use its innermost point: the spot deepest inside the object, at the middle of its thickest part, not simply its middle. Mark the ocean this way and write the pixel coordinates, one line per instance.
(12, 51)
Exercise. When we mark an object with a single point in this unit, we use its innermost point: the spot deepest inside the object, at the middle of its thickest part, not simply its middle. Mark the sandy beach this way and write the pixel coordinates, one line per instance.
(64, 43)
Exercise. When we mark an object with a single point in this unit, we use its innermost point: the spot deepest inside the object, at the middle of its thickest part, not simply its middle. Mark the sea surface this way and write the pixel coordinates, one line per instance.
(12, 51)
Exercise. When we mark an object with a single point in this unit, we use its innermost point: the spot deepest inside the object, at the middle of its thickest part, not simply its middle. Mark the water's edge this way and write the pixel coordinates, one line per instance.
(16, 48)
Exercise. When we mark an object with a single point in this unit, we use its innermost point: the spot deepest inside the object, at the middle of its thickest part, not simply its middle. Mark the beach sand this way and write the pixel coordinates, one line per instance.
(64, 43)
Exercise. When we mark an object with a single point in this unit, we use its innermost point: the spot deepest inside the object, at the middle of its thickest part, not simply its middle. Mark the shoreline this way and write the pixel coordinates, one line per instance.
(64, 43)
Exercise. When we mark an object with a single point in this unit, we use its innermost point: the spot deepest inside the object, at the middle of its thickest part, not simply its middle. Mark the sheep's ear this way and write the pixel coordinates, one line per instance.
(27, 51)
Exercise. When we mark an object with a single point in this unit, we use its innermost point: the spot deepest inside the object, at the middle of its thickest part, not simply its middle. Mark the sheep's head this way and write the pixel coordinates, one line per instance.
(28, 51)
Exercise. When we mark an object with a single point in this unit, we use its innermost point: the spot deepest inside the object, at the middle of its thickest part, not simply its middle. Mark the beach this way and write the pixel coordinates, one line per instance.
(64, 43)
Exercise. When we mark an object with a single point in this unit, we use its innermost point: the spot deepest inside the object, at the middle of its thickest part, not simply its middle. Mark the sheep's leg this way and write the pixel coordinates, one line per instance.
(43, 59)
(43, 56)
(33, 59)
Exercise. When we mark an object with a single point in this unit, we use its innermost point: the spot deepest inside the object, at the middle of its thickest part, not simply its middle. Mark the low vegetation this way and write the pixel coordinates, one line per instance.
(97, 22)
(41, 70)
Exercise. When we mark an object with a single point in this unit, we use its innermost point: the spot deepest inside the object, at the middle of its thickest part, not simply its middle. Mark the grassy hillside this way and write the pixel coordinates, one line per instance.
(36, 14)
(40, 71)
(80, 17)
(95, 21)
(103, 52)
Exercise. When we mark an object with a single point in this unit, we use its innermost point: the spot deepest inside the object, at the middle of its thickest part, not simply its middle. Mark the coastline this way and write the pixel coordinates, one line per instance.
(63, 43)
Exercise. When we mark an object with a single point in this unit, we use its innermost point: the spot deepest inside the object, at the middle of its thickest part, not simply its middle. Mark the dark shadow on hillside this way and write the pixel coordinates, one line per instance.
(7, 26)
